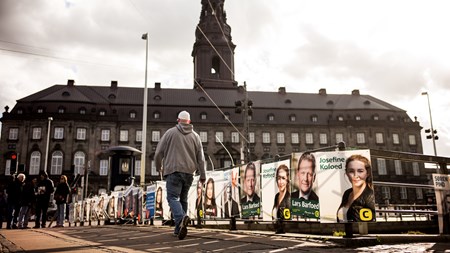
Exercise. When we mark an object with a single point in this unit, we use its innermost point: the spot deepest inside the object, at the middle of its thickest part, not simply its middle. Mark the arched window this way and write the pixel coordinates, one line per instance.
(215, 66)
(35, 161)
(57, 162)
(78, 161)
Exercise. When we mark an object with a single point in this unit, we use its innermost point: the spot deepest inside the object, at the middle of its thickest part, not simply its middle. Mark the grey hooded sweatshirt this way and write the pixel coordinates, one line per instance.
(180, 150)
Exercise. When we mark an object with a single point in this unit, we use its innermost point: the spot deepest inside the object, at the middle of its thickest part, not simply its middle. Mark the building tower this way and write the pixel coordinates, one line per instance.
(213, 52)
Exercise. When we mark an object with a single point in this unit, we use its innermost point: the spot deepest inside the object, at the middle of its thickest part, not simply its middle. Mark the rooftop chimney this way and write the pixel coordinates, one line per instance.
(157, 86)
(323, 92)
(355, 92)
(114, 84)
(282, 90)
(70, 82)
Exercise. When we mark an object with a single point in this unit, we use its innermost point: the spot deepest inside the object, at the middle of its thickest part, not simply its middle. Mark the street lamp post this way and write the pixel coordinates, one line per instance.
(433, 137)
(144, 116)
(48, 142)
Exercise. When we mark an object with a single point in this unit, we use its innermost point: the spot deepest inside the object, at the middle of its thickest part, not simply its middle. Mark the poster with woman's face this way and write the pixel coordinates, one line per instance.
(345, 180)
(276, 196)
(212, 202)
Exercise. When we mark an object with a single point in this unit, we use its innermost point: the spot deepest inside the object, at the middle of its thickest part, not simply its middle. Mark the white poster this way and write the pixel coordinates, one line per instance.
(346, 184)
(275, 184)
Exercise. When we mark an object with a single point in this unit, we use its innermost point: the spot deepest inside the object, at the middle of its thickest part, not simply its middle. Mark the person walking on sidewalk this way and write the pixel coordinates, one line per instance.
(14, 192)
(26, 202)
(44, 190)
(61, 193)
(181, 152)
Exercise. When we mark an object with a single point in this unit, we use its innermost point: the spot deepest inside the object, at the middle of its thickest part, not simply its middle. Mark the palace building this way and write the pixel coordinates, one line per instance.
(235, 123)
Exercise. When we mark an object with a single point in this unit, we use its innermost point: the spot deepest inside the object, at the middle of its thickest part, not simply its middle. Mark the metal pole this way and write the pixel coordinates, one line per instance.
(48, 142)
(144, 116)
(431, 123)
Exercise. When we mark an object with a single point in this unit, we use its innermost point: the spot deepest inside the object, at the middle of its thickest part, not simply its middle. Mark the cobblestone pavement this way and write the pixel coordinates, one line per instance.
(128, 238)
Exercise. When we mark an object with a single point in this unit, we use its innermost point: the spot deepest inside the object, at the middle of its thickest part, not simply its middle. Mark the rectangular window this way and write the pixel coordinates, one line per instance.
(81, 133)
(386, 192)
(13, 133)
(37, 133)
(219, 136)
(395, 139)
(204, 136)
(295, 139)
(56, 165)
(156, 136)
(137, 168)
(403, 193)
(360, 138)
(309, 138)
(105, 134)
(416, 169)
(323, 138)
(59, 133)
(381, 163)
(412, 139)
(251, 137)
(379, 138)
(280, 138)
(123, 135)
(153, 171)
(398, 167)
(138, 135)
(266, 137)
(419, 193)
(339, 137)
(104, 164)
(34, 164)
(234, 137)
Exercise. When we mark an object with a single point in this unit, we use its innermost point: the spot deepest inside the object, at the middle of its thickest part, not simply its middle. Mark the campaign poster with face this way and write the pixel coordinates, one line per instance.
(345, 179)
(162, 209)
(119, 209)
(304, 196)
(250, 190)
(230, 196)
(275, 193)
(195, 195)
(212, 198)
(112, 205)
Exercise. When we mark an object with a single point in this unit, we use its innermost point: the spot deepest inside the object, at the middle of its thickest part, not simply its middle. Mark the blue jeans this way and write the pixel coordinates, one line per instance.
(61, 209)
(177, 187)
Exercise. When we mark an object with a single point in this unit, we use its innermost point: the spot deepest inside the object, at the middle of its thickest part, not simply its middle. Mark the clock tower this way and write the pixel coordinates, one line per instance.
(213, 52)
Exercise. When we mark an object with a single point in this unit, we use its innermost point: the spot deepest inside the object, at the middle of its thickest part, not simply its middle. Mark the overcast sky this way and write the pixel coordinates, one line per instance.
(392, 50)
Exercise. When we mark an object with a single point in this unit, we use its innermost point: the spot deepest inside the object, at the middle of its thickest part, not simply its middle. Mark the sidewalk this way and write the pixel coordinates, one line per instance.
(130, 238)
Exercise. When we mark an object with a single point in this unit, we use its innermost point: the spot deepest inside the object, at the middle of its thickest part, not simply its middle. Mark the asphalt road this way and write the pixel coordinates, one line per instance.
(129, 238)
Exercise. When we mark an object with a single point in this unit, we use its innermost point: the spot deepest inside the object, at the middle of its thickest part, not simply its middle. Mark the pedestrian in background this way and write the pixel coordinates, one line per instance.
(27, 199)
(14, 191)
(61, 193)
(3, 206)
(45, 188)
(181, 151)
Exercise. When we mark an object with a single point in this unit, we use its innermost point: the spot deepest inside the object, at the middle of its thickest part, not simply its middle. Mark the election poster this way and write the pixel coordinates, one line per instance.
(250, 190)
(275, 184)
(230, 196)
(345, 181)
(304, 196)
(195, 196)
(150, 202)
(213, 189)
